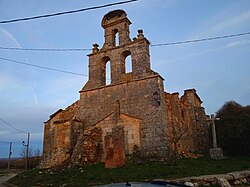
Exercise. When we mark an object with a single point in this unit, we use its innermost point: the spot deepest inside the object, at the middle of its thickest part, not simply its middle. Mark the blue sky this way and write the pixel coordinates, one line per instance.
(218, 70)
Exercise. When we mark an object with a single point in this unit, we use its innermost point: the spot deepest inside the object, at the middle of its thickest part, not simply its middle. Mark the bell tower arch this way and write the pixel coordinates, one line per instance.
(116, 28)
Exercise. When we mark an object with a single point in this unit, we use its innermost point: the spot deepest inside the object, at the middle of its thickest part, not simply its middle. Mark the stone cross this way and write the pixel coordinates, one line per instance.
(212, 119)
(215, 152)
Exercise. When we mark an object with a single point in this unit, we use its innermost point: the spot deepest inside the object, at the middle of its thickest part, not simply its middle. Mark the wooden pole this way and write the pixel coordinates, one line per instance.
(27, 152)
(9, 158)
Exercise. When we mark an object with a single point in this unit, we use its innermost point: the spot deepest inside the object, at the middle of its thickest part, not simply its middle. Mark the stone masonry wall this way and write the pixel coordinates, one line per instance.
(203, 131)
(108, 141)
(237, 178)
(187, 127)
(132, 129)
(60, 136)
(115, 148)
(136, 99)
(180, 130)
(89, 147)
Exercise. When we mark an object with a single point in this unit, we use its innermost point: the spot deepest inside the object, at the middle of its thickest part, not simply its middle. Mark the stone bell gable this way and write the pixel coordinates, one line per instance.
(116, 29)
(110, 120)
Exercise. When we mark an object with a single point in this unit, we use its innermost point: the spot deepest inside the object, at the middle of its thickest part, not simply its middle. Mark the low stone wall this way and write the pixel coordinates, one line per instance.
(224, 180)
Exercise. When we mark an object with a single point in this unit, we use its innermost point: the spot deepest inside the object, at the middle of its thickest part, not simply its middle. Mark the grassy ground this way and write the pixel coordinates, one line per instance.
(97, 174)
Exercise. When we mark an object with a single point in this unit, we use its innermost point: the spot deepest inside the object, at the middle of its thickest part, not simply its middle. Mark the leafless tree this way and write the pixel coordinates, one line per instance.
(23, 152)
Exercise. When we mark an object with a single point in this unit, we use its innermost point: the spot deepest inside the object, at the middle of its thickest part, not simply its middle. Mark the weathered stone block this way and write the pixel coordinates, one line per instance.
(223, 182)
(216, 153)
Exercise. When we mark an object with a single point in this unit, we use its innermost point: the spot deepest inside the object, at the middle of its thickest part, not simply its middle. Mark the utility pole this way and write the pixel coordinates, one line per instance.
(215, 152)
(27, 151)
(10, 153)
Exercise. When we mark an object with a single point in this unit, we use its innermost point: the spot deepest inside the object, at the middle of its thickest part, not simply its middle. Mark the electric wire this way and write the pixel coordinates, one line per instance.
(201, 40)
(74, 49)
(44, 49)
(6, 123)
(42, 67)
(152, 45)
(66, 12)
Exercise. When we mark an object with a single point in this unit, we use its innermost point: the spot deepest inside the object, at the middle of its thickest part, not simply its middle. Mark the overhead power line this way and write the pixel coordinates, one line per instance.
(152, 45)
(66, 12)
(44, 49)
(201, 40)
(6, 123)
(42, 67)
(72, 49)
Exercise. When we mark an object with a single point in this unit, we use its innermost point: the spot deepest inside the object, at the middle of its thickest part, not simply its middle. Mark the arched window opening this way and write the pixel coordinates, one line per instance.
(128, 64)
(116, 37)
(105, 68)
(108, 73)
(126, 61)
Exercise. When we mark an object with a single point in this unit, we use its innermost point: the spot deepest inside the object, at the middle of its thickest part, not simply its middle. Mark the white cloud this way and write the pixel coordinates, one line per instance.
(234, 21)
(59, 85)
(191, 55)
(237, 43)
(224, 22)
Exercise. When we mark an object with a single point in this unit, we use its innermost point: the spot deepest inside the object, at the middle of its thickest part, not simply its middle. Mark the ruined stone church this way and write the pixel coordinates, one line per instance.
(131, 114)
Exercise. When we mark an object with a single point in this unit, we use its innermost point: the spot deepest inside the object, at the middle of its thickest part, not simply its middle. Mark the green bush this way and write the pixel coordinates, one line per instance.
(233, 128)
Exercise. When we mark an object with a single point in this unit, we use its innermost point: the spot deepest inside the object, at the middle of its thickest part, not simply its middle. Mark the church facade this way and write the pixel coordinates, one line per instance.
(131, 114)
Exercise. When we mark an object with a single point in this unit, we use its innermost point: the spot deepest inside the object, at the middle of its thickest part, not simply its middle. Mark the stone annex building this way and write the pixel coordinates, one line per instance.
(131, 115)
